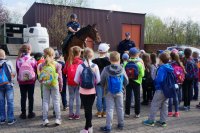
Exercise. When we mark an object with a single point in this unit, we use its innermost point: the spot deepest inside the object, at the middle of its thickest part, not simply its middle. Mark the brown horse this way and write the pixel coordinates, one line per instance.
(79, 39)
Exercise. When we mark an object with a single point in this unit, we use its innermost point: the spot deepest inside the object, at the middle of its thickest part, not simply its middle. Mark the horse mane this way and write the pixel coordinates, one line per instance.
(82, 31)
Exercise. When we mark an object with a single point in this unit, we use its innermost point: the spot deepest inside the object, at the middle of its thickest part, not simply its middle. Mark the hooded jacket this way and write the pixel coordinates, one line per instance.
(113, 70)
(161, 74)
(10, 68)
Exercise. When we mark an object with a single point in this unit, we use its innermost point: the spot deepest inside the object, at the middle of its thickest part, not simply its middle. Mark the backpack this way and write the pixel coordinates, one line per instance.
(147, 79)
(191, 69)
(71, 72)
(48, 75)
(26, 71)
(5, 76)
(87, 79)
(115, 83)
(168, 85)
(132, 70)
(179, 73)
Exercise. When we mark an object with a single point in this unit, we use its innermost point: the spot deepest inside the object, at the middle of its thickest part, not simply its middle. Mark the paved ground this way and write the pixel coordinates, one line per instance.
(189, 122)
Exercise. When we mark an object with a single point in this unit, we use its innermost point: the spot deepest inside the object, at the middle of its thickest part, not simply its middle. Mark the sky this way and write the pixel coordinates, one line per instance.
(179, 9)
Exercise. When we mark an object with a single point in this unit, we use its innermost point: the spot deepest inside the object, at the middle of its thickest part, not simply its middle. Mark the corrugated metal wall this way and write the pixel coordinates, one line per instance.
(109, 24)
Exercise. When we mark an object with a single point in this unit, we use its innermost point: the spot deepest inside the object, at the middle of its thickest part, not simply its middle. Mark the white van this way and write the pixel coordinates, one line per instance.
(37, 37)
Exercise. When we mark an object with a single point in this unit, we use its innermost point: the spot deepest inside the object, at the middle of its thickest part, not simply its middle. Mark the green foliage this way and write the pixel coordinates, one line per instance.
(77, 3)
(171, 31)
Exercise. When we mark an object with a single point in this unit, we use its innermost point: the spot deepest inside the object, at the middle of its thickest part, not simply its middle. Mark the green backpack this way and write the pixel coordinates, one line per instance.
(48, 75)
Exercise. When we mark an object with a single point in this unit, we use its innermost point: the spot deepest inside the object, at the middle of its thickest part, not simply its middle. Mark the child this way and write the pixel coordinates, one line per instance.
(134, 82)
(59, 59)
(125, 58)
(50, 76)
(26, 76)
(6, 90)
(87, 75)
(195, 56)
(114, 90)
(147, 81)
(180, 75)
(160, 102)
(70, 70)
(101, 62)
(191, 73)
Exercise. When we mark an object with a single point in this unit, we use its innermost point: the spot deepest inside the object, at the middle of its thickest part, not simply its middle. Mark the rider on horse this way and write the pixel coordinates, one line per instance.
(73, 26)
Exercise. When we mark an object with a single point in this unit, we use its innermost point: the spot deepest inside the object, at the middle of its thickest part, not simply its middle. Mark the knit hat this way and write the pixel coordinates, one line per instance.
(103, 47)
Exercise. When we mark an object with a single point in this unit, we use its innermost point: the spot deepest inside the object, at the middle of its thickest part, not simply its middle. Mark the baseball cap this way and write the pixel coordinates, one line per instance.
(133, 51)
(125, 56)
(103, 47)
(127, 34)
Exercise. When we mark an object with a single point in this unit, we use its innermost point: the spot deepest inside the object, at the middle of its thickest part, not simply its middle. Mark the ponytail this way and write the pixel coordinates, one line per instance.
(73, 52)
(49, 55)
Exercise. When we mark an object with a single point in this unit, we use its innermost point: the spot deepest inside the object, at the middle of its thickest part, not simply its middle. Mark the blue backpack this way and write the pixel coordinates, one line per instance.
(87, 77)
(132, 70)
(5, 76)
(168, 85)
(115, 83)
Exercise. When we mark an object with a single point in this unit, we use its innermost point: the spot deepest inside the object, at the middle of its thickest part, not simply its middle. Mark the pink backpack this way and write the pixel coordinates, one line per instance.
(26, 71)
(179, 73)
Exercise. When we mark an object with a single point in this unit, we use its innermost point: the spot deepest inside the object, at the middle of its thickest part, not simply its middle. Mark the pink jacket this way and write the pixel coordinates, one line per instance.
(33, 64)
(58, 70)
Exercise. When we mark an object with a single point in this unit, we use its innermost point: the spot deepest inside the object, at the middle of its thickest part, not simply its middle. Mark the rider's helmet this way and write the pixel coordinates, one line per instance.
(73, 16)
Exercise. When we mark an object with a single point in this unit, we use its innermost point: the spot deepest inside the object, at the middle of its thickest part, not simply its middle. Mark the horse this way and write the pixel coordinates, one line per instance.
(79, 39)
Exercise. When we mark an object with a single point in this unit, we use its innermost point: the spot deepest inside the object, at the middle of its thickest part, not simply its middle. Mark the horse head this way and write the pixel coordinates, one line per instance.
(93, 33)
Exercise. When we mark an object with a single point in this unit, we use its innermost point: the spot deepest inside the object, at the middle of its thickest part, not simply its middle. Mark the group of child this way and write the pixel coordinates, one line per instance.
(106, 77)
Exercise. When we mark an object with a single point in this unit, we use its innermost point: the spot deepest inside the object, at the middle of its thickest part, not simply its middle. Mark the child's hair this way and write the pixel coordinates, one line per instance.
(146, 59)
(187, 52)
(88, 53)
(153, 58)
(25, 49)
(38, 56)
(164, 57)
(49, 55)
(2, 54)
(73, 52)
(114, 56)
(175, 57)
(195, 54)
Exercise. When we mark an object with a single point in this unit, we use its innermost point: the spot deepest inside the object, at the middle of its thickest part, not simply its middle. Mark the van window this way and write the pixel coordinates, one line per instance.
(31, 30)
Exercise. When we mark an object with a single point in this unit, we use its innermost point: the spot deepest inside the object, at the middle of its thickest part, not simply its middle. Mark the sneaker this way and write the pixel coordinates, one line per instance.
(2, 122)
(105, 129)
(22, 116)
(12, 122)
(198, 106)
(45, 122)
(137, 116)
(126, 115)
(71, 117)
(120, 127)
(162, 124)
(177, 114)
(76, 117)
(98, 114)
(183, 108)
(103, 114)
(65, 108)
(90, 130)
(149, 123)
(170, 114)
(31, 115)
(58, 122)
(84, 131)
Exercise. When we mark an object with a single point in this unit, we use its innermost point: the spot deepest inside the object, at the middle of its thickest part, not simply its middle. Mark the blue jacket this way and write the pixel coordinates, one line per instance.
(161, 73)
(74, 25)
(125, 45)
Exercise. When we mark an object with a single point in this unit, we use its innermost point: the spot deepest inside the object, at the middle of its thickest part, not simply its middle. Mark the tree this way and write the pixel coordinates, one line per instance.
(77, 3)
(4, 14)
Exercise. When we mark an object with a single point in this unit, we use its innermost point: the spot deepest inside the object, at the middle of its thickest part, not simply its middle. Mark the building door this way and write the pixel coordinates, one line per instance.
(135, 31)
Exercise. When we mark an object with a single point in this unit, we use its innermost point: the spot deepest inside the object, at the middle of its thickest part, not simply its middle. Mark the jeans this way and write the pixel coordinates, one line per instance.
(175, 102)
(101, 102)
(135, 87)
(159, 102)
(74, 93)
(6, 95)
(114, 100)
(24, 90)
(55, 95)
(88, 101)
(64, 95)
(187, 92)
(196, 89)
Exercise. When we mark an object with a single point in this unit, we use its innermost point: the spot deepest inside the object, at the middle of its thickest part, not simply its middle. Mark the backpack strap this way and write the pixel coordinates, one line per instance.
(83, 65)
